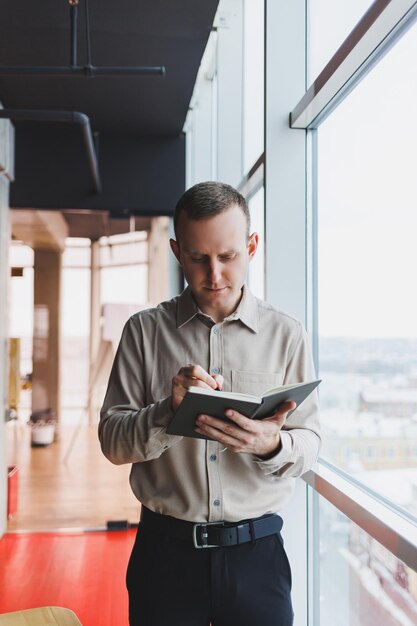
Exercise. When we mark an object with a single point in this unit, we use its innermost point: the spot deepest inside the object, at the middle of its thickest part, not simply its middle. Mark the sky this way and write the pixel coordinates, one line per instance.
(367, 197)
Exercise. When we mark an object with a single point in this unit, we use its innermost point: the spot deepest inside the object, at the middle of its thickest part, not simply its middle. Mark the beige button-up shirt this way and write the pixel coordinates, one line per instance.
(256, 348)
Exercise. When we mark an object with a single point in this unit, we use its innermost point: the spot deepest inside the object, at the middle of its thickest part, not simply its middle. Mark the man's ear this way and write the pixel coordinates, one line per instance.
(253, 244)
(175, 249)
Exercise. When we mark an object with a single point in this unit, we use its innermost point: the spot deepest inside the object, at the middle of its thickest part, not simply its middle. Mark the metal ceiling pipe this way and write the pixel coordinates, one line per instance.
(87, 70)
(72, 117)
(73, 35)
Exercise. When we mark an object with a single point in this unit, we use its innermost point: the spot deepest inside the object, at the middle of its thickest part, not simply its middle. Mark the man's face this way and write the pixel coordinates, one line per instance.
(214, 254)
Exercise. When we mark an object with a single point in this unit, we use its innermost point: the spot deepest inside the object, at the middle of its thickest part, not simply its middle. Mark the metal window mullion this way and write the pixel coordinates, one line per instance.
(373, 36)
(313, 558)
(254, 180)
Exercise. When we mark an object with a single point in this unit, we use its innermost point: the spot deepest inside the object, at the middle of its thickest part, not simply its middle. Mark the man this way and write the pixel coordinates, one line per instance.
(216, 334)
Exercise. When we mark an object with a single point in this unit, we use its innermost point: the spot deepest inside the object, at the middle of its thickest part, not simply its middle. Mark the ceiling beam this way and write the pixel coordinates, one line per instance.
(40, 230)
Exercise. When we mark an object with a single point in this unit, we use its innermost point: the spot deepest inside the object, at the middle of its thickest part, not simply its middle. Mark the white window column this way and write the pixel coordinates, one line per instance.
(199, 125)
(286, 214)
(229, 23)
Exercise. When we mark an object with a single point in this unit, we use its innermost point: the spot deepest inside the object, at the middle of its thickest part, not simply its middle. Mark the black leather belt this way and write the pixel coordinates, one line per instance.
(211, 534)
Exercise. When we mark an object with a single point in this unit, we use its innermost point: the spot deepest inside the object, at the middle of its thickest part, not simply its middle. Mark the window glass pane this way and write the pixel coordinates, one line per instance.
(367, 259)
(361, 582)
(124, 249)
(21, 305)
(329, 23)
(77, 252)
(253, 140)
(214, 127)
(20, 255)
(124, 285)
(257, 265)
(21, 322)
(75, 337)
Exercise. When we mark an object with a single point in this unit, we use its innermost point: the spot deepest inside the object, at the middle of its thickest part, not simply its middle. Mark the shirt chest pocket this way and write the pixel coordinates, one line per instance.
(255, 383)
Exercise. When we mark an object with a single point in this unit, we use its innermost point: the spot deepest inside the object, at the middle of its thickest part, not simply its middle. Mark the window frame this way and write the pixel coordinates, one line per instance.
(385, 22)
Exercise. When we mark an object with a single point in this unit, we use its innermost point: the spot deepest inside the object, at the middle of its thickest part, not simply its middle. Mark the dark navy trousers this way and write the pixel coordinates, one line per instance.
(171, 583)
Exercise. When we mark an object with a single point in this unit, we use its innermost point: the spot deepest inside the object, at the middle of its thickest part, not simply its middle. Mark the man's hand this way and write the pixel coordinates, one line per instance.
(192, 376)
(259, 437)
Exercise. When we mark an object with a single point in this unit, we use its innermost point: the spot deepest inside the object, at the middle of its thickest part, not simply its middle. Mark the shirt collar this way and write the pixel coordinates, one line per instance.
(186, 307)
(246, 312)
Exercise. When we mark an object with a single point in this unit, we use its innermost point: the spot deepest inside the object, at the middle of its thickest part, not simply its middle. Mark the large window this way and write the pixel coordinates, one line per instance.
(361, 582)
(367, 228)
(21, 319)
(75, 329)
(330, 23)
(253, 82)
(124, 269)
(257, 265)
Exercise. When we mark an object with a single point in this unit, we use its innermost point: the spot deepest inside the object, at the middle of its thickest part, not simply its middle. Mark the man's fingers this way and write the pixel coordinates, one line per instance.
(191, 376)
(219, 380)
(241, 434)
(197, 373)
(243, 430)
(287, 406)
(281, 413)
(220, 431)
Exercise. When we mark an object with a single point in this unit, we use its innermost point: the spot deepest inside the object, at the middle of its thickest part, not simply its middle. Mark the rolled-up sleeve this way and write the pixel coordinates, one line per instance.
(131, 431)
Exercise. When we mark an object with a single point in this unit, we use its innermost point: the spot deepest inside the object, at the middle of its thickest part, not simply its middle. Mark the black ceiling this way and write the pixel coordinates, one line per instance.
(137, 109)
(171, 33)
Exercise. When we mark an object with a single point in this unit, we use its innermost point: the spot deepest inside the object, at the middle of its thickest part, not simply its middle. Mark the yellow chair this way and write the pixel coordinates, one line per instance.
(44, 616)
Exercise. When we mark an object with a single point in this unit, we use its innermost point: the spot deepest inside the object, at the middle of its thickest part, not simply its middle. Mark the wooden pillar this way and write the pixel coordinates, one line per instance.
(46, 331)
(158, 264)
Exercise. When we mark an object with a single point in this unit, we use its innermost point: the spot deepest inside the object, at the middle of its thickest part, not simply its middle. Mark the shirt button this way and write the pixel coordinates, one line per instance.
(216, 370)
(216, 330)
(216, 502)
(213, 457)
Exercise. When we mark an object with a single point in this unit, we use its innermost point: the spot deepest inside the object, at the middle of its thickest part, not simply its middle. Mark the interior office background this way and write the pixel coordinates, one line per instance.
(307, 108)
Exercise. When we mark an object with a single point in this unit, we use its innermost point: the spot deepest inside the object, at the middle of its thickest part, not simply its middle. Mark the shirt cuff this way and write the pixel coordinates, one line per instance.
(161, 417)
(163, 412)
(283, 457)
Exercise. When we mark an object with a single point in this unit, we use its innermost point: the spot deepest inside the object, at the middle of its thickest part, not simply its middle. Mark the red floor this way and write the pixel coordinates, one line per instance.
(83, 571)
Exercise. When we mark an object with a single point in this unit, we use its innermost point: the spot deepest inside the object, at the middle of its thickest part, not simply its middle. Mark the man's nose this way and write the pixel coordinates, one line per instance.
(214, 271)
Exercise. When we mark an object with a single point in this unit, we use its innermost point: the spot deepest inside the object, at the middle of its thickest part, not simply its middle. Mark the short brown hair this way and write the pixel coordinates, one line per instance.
(208, 199)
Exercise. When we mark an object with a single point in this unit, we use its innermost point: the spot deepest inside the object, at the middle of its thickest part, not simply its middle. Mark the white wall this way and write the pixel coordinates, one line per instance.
(5, 154)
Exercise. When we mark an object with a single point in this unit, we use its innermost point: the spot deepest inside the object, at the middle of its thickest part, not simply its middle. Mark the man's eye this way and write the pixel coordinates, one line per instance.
(228, 257)
(197, 259)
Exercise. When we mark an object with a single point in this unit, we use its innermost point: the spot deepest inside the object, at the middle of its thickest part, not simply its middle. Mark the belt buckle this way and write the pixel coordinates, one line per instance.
(204, 535)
